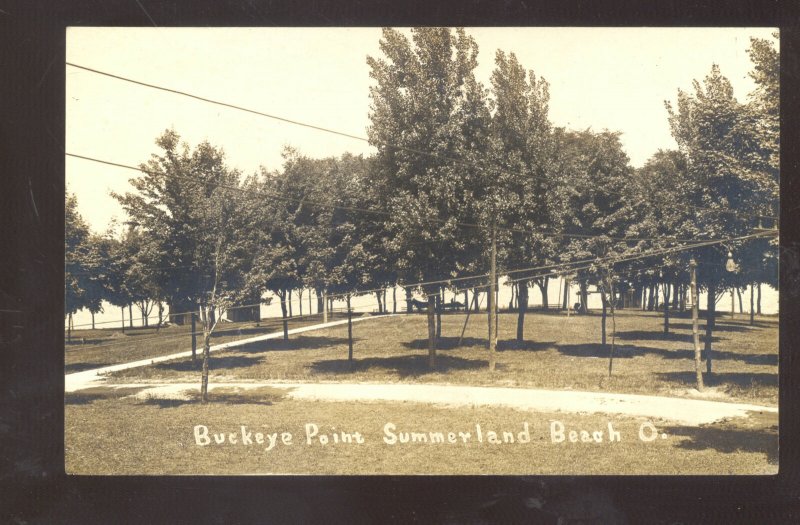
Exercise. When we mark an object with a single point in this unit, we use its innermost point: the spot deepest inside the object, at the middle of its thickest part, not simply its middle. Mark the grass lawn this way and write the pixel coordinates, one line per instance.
(559, 353)
(110, 434)
(109, 346)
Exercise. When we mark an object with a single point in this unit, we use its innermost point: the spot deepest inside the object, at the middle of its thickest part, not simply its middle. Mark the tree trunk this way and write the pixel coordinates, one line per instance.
(711, 307)
(522, 288)
(666, 307)
(289, 297)
(513, 293)
(758, 300)
(466, 301)
(752, 320)
(739, 295)
(394, 299)
(409, 308)
(438, 317)
(431, 332)
(283, 314)
(656, 302)
(206, 352)
(695, 335)
(683, 298)
(380, 304)
(543, 284)
(675, 295)
(349, 332)
(584, 298)
(194, 337)
(130, 314)
(603, 317)
(160, 313)
(567, 306)
(300, 300)
(92, 319)
(385, 303)
(613, 329)
(476, 294)
(320, 302)
(69, 327)
(123, 318)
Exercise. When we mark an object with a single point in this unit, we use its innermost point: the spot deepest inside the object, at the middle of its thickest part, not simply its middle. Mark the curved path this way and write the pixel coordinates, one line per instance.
(684, 410)
(681, 410)
(95, 376)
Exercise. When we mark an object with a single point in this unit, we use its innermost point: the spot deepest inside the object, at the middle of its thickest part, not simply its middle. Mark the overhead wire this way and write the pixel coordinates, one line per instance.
(308, 125)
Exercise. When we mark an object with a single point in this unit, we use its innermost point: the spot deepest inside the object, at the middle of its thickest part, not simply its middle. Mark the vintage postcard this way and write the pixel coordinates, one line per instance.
(527, 251)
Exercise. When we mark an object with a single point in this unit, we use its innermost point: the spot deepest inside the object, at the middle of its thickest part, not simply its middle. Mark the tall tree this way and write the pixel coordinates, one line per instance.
(715, 132)
(522, 144)
(426, 99)
(186, 207)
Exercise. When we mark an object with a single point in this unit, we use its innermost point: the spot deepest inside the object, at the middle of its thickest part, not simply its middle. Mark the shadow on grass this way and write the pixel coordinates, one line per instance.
(729, 439)
(721, 326)
(294, 343)
(651, 335)
(740, 379)
(626, 351)
(599, 350)
(80, 367)
(214, 363)
(212, 399)
(90, 395)
(403, 366)
(449, 343)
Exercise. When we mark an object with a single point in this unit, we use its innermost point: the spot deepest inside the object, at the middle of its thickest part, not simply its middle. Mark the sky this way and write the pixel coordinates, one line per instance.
(603, 78)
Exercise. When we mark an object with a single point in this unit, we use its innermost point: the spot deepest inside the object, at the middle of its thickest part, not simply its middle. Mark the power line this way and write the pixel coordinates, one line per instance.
(332, 131)
(563, 267)
(387, 213)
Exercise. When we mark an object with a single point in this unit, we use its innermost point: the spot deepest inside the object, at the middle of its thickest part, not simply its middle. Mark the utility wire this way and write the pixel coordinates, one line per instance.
(329, 130)
(387, 213)
(562, 268)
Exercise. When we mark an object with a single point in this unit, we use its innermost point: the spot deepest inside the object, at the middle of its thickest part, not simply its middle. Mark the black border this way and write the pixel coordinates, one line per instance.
(35, 488)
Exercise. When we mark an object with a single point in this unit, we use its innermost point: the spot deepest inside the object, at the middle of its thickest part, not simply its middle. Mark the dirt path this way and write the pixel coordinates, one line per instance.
(684, 410)
(681, 410)
(95, 376)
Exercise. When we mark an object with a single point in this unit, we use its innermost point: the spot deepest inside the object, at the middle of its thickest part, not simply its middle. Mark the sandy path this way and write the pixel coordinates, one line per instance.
(681, 410)
(94, 377)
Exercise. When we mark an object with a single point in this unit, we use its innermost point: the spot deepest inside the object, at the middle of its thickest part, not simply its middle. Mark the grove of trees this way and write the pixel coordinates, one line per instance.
(455, 163)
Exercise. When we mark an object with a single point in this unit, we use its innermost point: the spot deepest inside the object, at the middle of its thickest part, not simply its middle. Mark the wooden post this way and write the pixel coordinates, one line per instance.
(349, 332)
(194, 336)
(695, 331)
(493, 303)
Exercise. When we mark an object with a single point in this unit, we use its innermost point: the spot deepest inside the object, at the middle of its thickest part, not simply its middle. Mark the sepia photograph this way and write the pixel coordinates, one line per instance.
(421, 251)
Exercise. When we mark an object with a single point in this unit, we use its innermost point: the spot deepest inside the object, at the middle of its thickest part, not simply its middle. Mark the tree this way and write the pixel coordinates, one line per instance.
(426, 99)
(522, 144)
(593, 174)
(76, 272)
(662, 213)
(186, 206)
(715, 133)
